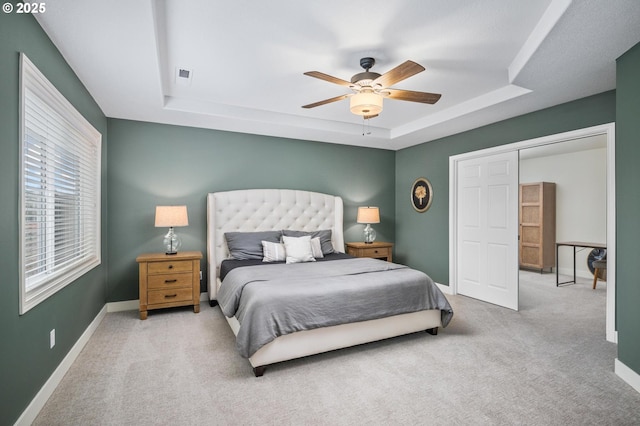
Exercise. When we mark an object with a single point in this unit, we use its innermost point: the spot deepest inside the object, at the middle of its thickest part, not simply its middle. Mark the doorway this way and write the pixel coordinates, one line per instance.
(577, 170)
(607, 131)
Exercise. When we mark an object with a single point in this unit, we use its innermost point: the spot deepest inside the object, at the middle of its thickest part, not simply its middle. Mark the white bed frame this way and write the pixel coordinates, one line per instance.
(274, 209)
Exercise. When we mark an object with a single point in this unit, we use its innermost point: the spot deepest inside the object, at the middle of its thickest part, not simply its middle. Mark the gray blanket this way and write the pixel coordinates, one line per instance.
(274, 300)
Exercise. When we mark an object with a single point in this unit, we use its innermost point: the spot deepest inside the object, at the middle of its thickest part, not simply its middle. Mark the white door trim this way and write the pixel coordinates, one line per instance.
(604, 129)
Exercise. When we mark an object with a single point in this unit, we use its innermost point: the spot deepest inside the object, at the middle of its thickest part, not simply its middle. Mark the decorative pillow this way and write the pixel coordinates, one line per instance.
(273, 252)
(316, 248)
(298, 249)
(324, 235)
(248, 245)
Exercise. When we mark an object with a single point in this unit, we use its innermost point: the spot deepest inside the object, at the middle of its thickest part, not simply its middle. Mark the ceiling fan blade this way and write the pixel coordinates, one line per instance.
(329, 78)
(326, 101)
(399, 73)
(410, 95)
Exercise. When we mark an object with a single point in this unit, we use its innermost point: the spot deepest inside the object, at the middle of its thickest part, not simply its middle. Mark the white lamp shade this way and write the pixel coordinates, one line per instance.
(171, 216)
(368, 215)
(366, 103)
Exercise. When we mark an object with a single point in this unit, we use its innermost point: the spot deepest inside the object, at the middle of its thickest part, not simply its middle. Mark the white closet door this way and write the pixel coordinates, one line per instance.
(487, 229)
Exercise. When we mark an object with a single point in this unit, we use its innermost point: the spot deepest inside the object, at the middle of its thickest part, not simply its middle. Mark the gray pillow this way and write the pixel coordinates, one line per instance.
(248, 245)
(324, 235)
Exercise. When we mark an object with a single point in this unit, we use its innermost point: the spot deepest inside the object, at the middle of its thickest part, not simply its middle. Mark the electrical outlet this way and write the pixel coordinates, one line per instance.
(200, 275)
(52, 338)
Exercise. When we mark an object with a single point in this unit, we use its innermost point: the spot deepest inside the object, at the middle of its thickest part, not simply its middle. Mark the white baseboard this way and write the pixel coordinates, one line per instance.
(444, 288)
(32, 410)
(579, 273)
(566, 272)
(627, 374)
(126, 305)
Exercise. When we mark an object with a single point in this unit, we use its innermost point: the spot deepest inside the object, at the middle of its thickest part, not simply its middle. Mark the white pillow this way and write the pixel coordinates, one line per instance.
(298, 249)
(273, 252)
(316, 248)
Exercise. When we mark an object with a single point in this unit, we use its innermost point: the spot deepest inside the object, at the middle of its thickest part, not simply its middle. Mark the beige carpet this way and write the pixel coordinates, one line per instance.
(548, 364)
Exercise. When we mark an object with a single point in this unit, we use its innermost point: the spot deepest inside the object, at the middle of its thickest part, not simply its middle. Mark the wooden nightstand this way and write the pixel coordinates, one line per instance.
(377, 250)
(169, 280)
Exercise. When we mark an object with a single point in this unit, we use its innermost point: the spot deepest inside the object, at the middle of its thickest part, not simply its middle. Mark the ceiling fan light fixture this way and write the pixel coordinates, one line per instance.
(366, 103)
(370, 88)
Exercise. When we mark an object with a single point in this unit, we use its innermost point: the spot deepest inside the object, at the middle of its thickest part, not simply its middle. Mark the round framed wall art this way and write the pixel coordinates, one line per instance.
(421, 195)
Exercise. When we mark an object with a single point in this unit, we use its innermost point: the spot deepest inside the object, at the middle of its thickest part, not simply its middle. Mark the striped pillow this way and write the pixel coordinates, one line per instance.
(273, 252)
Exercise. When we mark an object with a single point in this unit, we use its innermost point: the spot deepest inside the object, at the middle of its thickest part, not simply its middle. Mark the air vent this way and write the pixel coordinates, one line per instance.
(183, 76)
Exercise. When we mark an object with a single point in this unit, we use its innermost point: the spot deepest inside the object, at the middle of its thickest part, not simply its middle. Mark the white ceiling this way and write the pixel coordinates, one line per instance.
(490, 60)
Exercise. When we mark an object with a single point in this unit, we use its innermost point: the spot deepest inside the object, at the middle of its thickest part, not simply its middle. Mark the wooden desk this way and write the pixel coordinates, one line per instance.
(574, 244)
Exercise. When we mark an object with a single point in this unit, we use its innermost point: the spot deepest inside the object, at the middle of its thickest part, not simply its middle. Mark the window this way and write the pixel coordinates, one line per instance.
(60, 190)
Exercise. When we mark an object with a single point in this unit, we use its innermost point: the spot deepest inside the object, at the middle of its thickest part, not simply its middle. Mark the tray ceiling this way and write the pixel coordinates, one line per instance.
(490, 60)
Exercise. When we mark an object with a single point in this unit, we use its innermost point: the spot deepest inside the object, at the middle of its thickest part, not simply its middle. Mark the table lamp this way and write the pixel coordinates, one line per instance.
(368, 215)
(171, 216)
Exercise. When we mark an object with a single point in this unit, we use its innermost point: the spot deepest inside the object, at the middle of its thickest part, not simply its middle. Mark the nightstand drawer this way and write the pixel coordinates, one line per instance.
(169, 267)
(374, 252)
(158, 282)
(170, 295)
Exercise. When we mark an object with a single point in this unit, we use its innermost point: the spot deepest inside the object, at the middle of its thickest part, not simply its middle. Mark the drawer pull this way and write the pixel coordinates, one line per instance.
(170, 266)
(376, 251)
(170, 281)
(169, 296)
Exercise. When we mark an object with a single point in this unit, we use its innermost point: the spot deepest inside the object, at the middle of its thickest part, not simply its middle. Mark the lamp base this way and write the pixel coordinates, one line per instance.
(369, 234)
(171, 242)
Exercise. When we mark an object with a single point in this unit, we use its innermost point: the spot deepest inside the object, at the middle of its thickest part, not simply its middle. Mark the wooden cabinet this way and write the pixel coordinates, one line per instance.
(537, 215)
(169, 280)
(376, 249)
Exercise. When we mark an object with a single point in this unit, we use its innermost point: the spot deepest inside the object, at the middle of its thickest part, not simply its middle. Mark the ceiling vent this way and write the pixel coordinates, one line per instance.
(183, 76)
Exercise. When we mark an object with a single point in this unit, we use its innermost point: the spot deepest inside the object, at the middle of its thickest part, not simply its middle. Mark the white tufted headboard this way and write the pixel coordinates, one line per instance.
(253, 210)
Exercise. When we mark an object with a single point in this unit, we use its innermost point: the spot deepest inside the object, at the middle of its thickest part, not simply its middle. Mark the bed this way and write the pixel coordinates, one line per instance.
(303, 215)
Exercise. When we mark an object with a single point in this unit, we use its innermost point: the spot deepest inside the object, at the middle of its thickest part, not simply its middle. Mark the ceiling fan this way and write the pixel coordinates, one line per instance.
(369, 88)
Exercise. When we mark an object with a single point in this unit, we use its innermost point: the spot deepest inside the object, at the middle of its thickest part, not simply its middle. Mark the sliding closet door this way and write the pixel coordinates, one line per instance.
(487, 229)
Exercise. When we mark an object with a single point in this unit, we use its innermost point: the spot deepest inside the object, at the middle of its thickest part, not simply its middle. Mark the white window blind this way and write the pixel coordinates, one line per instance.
(60, 190)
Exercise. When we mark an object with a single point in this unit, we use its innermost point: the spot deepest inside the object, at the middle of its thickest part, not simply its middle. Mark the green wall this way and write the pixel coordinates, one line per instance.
(26, 361)
(154, 164)
(628, 207)
(422, 239)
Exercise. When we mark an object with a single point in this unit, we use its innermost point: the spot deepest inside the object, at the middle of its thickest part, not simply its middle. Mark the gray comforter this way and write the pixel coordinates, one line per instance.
(274, 300)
